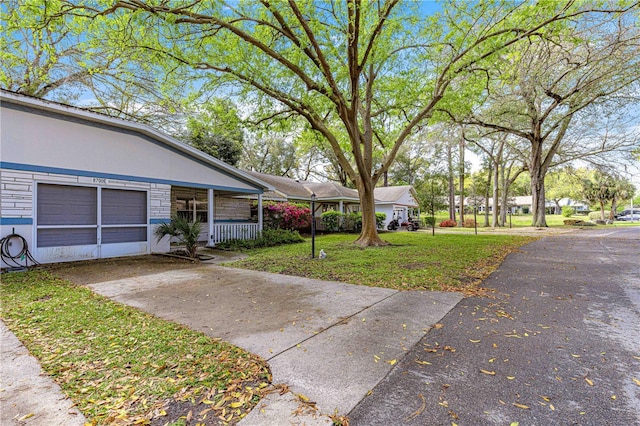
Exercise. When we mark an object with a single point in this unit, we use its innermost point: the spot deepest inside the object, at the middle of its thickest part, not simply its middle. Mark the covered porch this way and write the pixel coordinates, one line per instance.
(224, 214)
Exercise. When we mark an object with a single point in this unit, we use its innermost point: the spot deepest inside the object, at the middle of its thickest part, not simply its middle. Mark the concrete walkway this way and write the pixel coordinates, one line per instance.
(328, 341)
(27, 395)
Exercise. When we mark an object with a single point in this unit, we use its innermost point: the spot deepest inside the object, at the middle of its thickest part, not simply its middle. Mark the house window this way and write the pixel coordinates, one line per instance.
(192, 209)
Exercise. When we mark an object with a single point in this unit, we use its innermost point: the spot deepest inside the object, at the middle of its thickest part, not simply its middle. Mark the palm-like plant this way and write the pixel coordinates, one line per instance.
(186, 232)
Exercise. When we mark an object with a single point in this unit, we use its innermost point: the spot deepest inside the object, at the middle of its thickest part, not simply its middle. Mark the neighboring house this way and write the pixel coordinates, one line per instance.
(397, 202)
(329, 195)
(523, 203)
(80, 185)
(555, 206)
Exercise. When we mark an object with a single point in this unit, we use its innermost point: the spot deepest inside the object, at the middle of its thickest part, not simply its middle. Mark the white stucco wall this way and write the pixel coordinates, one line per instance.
(50, 142)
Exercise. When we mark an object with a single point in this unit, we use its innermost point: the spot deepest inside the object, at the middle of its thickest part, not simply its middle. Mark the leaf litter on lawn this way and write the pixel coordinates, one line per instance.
(120, 365)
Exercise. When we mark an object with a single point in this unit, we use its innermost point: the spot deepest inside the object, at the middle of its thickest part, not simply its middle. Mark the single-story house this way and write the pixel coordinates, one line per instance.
(399, 202)
(394, 201)
(329, 195)
(81, 185)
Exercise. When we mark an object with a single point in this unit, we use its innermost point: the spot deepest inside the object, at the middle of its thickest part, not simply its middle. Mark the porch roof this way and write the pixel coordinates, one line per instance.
(294, 189)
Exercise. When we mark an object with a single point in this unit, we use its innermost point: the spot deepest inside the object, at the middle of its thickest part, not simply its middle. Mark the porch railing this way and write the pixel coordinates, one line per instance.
(234, 231)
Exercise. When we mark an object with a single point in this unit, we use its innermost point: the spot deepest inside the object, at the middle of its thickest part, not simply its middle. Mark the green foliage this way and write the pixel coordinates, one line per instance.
(267, 238)
(428, 221)
(89, 344)
(216, 130)
(380, 219)
(567, 211)
(185, 231)
(411, 261)
(332, 220)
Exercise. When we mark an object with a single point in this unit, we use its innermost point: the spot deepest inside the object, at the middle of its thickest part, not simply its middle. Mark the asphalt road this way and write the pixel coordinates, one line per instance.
(556, 343)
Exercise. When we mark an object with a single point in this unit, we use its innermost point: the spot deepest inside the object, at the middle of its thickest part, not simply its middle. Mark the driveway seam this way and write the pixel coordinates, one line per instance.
(341, 322)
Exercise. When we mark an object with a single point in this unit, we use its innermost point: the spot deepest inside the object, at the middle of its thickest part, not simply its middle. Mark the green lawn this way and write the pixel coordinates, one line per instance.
(413, 261)
(524, 220)
(120, 365)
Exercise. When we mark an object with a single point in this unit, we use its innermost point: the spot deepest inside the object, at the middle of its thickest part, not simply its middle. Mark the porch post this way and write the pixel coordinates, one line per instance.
(260, 212)
(211, 214)
(341, 206)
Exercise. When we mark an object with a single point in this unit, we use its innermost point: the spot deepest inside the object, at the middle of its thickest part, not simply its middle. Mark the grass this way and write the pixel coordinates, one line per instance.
(413, 261)
(122, 366)
(524, 221)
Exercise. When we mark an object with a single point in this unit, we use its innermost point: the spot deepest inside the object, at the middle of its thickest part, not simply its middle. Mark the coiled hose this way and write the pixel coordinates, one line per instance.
(14, 252)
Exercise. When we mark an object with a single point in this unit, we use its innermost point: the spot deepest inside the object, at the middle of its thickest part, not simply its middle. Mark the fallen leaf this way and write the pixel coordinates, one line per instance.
(437, 326)
(524, 407)
(589, 382)
(474, 341)
(26, 416)
(423, 362)
(491, 373)
(419, 410)
(546, 398)
(236, 404)
(613, 397)
(575, 356)
(391, 361)
(510, 377)
(636, 381)
(552, 407)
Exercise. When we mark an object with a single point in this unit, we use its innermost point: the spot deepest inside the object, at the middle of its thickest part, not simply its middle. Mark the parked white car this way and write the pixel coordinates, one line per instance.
(629, 217)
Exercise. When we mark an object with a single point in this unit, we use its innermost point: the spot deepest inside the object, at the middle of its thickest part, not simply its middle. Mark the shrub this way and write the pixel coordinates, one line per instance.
(567, 211)
(185, 231)
(291, 216)
(469, 223)
(574, 222)
(267, 238)
(597, 215)
(525, 210)
(380, 219)
(448, 223)
(332, 220)
(429, 221)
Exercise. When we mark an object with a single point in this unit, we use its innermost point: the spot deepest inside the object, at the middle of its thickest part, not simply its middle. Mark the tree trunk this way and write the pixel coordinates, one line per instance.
(496, 193)
(461, 177)
(538, 200)
(452, 189)
(537, 172)
(369, 234)
(487, 196)
(614, 207)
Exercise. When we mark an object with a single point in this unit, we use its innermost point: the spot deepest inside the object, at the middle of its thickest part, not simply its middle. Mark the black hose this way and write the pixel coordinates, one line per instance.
(20, 259)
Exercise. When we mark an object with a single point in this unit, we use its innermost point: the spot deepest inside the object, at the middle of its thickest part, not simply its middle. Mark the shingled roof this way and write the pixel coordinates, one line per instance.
(301, 190)
(391, 194)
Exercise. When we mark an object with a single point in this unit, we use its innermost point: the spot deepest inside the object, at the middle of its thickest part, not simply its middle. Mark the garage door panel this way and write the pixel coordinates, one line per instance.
(121, 207)
(124, 235)
(67, 205)
(67, 237)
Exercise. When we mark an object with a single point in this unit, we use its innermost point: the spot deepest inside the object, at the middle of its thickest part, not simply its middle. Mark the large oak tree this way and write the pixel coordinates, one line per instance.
(543, 89)
(364, 75)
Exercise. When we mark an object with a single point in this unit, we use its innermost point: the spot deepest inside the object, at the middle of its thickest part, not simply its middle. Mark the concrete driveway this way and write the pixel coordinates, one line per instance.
(329, 341)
